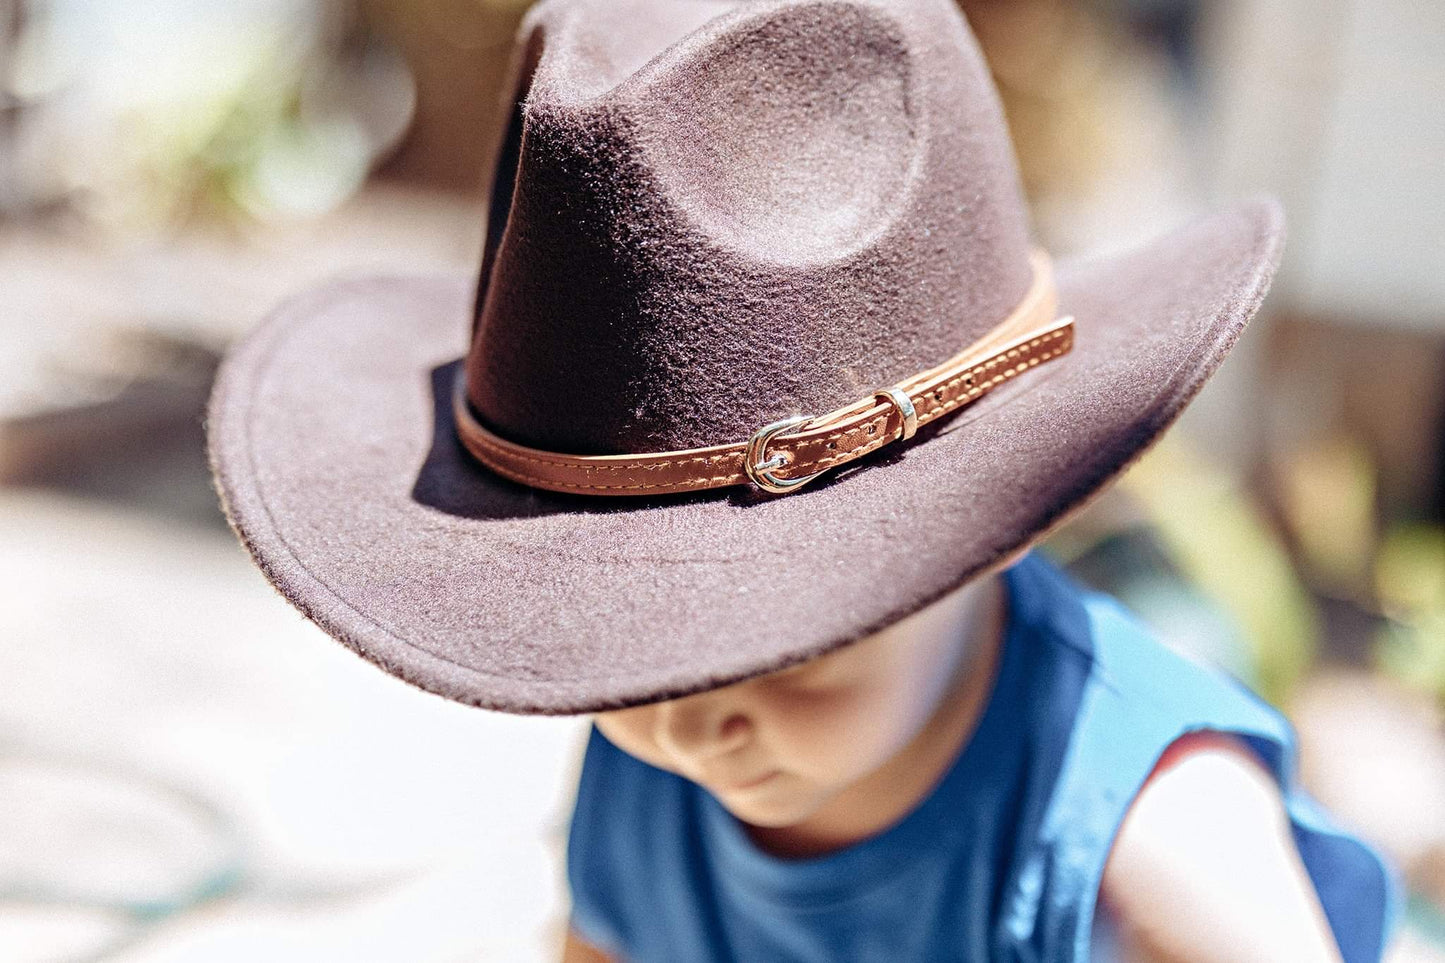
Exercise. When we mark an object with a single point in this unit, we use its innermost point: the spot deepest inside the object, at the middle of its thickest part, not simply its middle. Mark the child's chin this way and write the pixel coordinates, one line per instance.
(769, 813)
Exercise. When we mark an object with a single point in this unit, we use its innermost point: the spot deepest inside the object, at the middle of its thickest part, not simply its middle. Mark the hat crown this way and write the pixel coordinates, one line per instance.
(709, 215)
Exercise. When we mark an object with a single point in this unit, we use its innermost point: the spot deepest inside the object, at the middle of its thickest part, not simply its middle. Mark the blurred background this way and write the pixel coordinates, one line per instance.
(190, 771)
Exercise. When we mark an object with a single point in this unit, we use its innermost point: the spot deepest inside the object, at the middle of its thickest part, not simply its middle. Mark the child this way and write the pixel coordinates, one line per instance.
(948, 788)
(827, 728)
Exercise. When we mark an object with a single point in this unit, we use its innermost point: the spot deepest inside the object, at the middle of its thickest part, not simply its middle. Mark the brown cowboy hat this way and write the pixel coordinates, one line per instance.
(708, 218)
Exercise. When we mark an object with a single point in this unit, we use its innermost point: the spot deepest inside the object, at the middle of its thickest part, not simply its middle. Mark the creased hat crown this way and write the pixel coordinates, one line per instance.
(710, 215)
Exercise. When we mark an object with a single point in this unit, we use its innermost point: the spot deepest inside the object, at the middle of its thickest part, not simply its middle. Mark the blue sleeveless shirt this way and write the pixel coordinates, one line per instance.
(1001, 861)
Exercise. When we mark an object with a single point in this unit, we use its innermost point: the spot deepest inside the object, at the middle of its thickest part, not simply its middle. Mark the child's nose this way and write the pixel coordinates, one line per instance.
(701, 727)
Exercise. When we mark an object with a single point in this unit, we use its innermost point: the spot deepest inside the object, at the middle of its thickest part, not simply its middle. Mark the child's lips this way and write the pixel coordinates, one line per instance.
(744, 785)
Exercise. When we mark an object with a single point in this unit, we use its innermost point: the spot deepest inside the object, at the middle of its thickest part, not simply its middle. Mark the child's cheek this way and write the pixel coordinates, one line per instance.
(838, 736)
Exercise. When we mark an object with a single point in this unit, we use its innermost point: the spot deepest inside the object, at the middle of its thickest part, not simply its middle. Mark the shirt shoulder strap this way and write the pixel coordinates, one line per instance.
(1139, 699)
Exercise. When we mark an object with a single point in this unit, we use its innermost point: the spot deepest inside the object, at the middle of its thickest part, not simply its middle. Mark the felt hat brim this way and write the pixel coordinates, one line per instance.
(336, 459)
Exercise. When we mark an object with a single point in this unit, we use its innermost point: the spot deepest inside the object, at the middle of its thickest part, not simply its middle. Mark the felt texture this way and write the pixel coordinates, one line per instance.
(708, 216)
(337, 462)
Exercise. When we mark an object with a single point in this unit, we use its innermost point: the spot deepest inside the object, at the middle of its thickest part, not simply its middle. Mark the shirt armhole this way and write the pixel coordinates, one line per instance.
(1210, 829)
(1354, 884)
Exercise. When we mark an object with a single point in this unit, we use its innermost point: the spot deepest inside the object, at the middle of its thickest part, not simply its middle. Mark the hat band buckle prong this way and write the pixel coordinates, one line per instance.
(760, 472)
(760, 469)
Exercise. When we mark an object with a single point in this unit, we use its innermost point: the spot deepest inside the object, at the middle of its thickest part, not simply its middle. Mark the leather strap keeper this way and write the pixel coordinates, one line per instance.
(788, 453)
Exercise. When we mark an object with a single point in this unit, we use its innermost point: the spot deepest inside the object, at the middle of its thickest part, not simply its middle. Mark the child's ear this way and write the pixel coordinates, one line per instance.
(789, 132)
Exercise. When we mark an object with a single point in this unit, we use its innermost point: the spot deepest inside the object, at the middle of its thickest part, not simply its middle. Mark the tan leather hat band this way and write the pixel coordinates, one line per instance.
(786, 454)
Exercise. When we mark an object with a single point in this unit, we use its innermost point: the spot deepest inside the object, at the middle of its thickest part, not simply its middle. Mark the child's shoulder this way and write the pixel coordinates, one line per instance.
(629, 823)
(1189, 779)
(1205, 863)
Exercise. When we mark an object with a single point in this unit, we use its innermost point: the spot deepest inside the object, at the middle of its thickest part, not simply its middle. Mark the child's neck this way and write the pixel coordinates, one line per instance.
(890, 792)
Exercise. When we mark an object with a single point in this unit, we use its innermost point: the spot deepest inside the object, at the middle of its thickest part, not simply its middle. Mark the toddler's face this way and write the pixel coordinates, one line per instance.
(777, 749)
